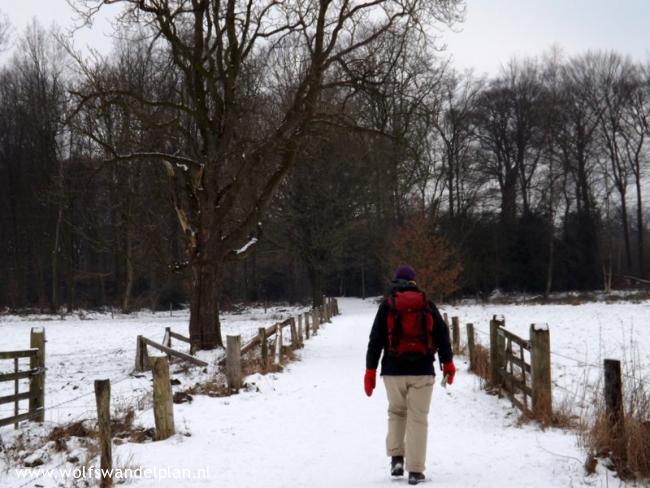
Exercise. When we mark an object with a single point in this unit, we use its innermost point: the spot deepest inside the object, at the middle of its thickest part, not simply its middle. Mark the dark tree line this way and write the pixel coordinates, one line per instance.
(204, 168)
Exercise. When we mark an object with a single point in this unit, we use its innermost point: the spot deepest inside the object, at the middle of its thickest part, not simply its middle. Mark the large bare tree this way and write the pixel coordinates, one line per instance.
(246, 83)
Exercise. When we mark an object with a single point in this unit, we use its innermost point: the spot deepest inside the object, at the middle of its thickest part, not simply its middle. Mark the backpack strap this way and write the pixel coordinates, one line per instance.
(423, 321)
(395, 333)
(430, 342)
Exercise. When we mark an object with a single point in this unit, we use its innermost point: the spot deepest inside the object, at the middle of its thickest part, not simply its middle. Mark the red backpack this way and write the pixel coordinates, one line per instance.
(410, 325)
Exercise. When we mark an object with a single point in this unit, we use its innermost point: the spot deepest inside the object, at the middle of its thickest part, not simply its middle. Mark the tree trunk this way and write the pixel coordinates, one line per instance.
(205, 328)
(509, 199)
(316, 279)
(72, 265)
(640, 228)
(450, 182)
(55, 261)
(551, 226)
(128, 258)
(626, 231)
(126, 299)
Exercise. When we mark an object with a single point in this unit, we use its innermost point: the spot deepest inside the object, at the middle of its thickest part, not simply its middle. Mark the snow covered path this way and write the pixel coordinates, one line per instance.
(312, 426)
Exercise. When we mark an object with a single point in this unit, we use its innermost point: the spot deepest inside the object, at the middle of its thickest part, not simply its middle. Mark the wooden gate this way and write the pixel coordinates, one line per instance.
(514, 370)
(36, 375)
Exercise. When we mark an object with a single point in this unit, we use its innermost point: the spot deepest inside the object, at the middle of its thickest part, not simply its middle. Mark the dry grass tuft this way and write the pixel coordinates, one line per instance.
(481, 363)
(61, 434)
(629, 456)
(123, 422)
(562, 417)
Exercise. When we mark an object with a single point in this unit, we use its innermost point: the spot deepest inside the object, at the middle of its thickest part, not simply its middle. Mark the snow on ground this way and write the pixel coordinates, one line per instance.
(312, 426)
(582, 336)
(83, 347)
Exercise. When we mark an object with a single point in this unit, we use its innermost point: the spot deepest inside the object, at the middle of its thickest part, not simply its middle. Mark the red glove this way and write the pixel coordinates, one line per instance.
(450, 370)
(369, 381)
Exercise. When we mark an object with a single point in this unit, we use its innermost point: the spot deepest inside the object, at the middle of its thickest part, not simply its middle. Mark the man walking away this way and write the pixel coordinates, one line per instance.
(407, 332)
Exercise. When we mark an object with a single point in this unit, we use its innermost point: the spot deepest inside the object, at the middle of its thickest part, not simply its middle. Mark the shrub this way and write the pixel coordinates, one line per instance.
(598, 440)
(437, 265)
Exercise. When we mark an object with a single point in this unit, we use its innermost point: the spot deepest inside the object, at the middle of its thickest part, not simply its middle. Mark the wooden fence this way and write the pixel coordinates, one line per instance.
(36, 375)
(270, 353)
(520, 368)
(162, 391)
(271, 340)
(142, 362)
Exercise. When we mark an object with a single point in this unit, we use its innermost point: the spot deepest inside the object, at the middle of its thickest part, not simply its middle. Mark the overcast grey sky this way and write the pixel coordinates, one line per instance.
(495, 30)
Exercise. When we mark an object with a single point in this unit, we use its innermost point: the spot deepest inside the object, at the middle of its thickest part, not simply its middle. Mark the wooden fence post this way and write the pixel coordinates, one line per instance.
(500, 319)
(37, 382)
(445, 318)
(300, 333)
(314, 321)
(495, 354)
(455, 329)
(278, 343)
(141, 355)
(294, 333)
(264, 348)
(103, 400)
(16, 389)
(470, 346)
(233, 362)
(163, 406)
(540, 359)
(614, 412)
(167, 340)
(307, 326)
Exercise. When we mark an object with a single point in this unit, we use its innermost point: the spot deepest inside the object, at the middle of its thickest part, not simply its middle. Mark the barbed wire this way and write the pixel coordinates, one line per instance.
(72, 400)
(476, 329)
(593, 365)
(578, 362)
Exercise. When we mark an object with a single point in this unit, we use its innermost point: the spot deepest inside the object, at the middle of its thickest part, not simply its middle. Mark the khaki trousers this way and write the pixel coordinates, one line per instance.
(409, 398)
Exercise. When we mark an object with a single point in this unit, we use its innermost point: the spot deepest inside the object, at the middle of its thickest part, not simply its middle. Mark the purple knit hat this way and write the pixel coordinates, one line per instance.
(405, 273)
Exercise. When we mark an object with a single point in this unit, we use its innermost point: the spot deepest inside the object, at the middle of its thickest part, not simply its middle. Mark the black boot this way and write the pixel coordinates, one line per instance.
(397, 466)
(415, 478)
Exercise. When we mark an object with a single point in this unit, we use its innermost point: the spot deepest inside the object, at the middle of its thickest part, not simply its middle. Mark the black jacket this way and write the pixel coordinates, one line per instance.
(393, 366)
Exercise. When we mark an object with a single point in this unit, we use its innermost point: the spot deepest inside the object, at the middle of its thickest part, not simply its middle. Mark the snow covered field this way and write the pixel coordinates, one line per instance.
(581, 337)
(312, 424)
(92, 346)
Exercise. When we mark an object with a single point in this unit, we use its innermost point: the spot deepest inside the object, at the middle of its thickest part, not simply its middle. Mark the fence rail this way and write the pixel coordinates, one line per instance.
(518, 367)
(271, 340)
(36, 376)
(26, 353)
(162, 392)
(142, 362)
(513, 370)
(170, 334)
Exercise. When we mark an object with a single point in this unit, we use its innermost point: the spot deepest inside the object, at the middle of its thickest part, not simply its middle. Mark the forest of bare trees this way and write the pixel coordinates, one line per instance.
(221, 154)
